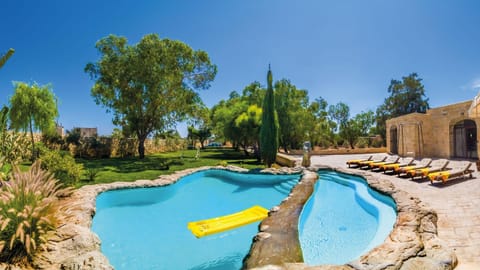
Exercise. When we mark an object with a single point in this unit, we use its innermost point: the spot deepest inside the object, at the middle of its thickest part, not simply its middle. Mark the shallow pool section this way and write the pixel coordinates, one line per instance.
(146, 228)
(343, 219)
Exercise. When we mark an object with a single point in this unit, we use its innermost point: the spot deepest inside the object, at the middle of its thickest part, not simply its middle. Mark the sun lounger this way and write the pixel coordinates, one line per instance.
(424, 163)
(461, 169)
(366, 164)
(403, 162)
(378, 165)
(435, 166)
(355, 162)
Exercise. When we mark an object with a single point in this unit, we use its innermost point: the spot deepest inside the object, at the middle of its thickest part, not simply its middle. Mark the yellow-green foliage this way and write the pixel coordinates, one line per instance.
(223, 163)
(28, 204)
(62, 165)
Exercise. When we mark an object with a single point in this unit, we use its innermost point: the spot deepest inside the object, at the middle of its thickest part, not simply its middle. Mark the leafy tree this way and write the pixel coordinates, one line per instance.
(33, 107)
(151, 85)
(248, 127)
(320, 127)
(292, 109)
(201, 134)
(365, 121)
(356, 127)
(223, 117)
(226, 112)
(269, 128)
(253, 94)
(4, 58)
(340, 113)
(406, 96)
(73, 136)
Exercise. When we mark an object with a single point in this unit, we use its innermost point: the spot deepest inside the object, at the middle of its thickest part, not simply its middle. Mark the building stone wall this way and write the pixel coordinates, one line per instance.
(88, 132)
(431, 134)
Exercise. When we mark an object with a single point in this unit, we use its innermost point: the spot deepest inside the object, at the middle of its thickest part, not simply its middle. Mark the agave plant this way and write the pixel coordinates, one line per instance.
(28, 211)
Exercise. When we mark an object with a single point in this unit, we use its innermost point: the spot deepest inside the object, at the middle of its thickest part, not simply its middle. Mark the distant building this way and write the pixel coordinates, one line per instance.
(445, 132)
(87, 132)
(60, 130)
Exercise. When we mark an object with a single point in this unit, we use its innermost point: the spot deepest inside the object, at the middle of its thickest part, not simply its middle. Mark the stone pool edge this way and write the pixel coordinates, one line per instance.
(75, 246)
(412, 244)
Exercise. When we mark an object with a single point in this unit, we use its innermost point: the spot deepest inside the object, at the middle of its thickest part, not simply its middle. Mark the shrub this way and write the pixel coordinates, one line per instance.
(362, 142)
(62, 165)
(92, 174)
(28, 205)
(223, 163)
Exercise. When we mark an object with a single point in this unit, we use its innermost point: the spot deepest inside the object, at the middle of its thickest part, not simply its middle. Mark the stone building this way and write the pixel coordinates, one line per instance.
(88, 132)
(444, 132)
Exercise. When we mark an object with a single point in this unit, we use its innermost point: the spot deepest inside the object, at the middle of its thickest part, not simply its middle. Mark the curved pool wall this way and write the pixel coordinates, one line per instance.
(146, 228)
(412, 244)
(343, 219)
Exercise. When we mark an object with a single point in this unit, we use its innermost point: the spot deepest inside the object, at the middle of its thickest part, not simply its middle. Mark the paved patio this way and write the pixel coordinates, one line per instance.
(457, 203)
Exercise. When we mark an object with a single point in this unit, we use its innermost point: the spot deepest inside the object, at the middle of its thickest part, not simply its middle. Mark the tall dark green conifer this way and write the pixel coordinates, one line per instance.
(269, 128)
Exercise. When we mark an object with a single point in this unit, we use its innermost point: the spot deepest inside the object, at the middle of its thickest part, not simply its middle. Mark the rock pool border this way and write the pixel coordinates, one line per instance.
(413, 243)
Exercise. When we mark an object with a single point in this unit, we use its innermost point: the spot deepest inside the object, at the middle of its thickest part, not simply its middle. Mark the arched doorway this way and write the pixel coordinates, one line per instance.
(465, 139)
(393, 140)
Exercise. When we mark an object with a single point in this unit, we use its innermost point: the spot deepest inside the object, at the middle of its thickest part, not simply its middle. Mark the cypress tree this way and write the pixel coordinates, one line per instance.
(269, 128)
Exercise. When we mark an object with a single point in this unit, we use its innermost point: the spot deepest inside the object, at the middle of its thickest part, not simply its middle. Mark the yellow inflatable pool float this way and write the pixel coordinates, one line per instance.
(219, 224)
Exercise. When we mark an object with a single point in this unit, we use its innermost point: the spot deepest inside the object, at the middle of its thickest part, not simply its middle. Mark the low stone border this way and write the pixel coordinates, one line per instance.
(412, 244)
(75, 247)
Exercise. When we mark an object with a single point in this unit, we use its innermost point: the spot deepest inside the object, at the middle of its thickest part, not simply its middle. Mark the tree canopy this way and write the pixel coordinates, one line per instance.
(291, 105)
(151, 85)
(406, 96)
(33, 107)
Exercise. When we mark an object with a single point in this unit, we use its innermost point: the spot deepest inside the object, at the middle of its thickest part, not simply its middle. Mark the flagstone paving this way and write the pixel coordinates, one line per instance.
(456, 202)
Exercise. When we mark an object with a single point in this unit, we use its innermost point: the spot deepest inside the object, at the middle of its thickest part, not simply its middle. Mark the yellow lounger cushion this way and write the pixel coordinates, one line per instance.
(391, 166)
(219, 224)
(368, 162)
(435, 175)
(378, 164)
(406, 169)
(423, 172)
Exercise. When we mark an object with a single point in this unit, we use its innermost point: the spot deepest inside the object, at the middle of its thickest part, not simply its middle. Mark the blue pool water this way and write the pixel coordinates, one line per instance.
(343, 219)
(146, 228)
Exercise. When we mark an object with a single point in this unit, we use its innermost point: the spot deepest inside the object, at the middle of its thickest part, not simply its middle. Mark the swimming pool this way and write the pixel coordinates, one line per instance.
(343, 219)
(146, 228)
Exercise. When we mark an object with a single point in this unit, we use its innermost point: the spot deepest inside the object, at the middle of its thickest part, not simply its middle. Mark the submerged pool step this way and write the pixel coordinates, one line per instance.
(285, 187)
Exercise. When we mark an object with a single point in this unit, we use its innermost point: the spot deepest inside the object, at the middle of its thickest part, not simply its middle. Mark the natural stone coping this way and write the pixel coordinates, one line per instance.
(413, 244)
(74, 246)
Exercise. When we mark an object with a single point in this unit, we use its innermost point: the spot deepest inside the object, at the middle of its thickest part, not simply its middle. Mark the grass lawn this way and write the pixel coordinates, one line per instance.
(131, 169)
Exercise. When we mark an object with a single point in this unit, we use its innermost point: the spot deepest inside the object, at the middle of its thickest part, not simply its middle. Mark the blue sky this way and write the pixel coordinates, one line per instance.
(346, 50)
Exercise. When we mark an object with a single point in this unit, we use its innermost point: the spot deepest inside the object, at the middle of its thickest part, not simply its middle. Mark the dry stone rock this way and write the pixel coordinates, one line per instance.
(413, 243)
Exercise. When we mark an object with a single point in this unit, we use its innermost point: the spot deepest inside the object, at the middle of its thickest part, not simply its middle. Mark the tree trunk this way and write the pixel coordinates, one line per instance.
(256, 151)
(141, 147)
(285, 148)
(352, 144)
